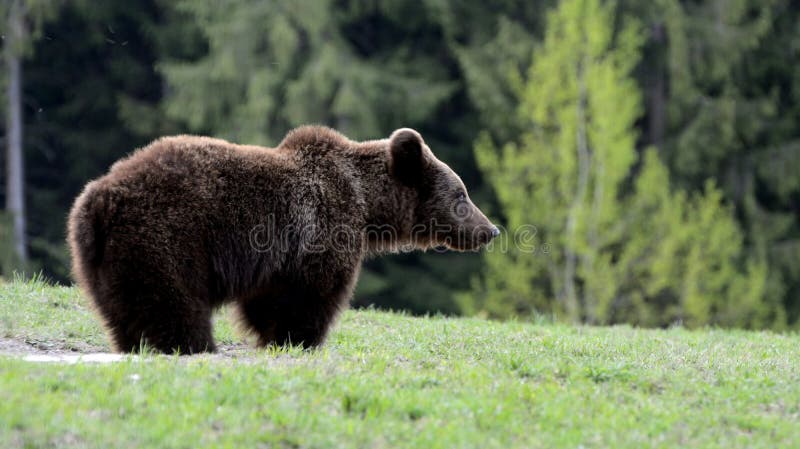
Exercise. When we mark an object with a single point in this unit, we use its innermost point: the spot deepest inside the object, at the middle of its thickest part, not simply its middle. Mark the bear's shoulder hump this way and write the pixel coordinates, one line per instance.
(314, 136)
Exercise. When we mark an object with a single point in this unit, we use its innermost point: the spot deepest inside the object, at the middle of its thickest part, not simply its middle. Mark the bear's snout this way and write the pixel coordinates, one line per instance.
(485, 234)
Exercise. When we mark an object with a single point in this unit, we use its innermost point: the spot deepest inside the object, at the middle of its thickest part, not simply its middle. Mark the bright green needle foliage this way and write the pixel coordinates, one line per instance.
(389, 380)
(578, 245)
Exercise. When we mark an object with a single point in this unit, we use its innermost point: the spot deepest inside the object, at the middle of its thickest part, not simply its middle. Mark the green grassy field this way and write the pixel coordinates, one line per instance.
(389, 380)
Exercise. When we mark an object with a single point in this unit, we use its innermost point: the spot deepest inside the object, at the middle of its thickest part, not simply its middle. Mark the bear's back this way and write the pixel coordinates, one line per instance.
(188, 156)
(221, 191)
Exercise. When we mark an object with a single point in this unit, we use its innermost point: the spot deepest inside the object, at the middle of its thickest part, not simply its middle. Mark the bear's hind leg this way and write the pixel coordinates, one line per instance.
(164, 323)
(181, 331)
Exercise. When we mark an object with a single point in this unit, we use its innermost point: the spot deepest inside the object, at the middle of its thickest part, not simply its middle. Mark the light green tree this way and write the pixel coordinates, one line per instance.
(683, 259)
(565, 173)
(611, 257)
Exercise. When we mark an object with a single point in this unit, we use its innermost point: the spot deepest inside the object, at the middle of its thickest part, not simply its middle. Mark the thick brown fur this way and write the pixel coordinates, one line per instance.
(189, 223)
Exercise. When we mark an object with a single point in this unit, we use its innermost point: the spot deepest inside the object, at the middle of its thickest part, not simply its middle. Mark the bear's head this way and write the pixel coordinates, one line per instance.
(444, 215)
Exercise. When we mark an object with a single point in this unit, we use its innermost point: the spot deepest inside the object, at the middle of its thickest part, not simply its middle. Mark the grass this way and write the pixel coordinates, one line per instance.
(390, 380)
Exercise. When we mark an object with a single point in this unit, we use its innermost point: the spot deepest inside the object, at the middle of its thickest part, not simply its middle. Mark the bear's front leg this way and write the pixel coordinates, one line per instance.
(294, 313)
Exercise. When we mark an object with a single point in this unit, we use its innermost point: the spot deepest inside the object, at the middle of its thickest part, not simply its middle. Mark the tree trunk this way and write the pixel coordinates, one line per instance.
(571, 305)
(656, 90)
(15, 194)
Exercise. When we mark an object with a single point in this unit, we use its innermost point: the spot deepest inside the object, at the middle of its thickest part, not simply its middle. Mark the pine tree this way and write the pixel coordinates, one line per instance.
(276, 65)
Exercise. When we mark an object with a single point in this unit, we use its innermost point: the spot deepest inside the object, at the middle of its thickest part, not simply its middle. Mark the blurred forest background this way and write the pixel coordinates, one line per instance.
(653, 144)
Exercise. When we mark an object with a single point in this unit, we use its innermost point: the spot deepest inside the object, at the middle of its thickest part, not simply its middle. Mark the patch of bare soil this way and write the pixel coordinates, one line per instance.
(21, 346)
(58, 351)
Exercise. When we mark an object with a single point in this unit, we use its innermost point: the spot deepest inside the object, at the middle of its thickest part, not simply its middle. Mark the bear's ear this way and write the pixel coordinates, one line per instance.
(408, 159)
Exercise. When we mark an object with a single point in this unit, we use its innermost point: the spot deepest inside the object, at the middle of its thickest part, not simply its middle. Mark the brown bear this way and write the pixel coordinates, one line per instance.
(189, 223)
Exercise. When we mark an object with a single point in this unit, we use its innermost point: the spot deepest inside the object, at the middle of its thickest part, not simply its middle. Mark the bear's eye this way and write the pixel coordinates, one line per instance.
(461, 196)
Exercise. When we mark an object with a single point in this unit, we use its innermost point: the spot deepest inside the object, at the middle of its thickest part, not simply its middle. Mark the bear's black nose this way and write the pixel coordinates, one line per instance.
(495, 232)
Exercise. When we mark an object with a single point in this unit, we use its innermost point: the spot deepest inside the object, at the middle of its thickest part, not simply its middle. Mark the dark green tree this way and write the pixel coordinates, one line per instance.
(20, 26)
(722, 93)
(91, 96)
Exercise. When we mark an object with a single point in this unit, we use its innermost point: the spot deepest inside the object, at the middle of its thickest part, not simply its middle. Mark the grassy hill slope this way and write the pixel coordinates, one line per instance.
(389, 380)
